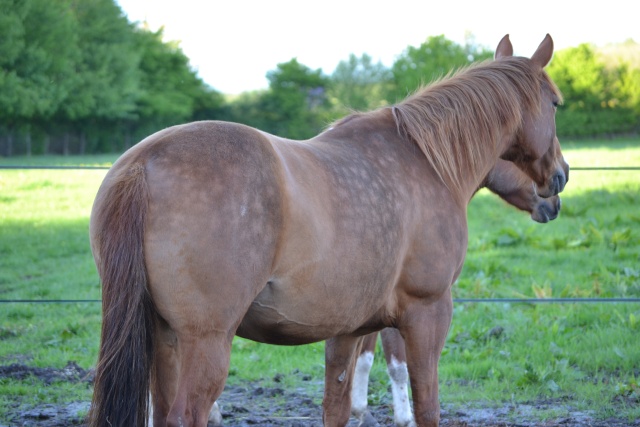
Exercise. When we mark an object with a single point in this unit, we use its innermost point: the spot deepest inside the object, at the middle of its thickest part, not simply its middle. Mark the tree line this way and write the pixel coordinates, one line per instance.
(77, 77)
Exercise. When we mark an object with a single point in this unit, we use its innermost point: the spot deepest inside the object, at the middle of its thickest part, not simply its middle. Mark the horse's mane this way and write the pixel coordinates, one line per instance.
(453, 119)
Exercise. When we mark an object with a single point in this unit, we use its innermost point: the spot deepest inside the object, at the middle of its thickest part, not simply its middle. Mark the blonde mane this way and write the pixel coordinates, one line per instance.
(459, 120)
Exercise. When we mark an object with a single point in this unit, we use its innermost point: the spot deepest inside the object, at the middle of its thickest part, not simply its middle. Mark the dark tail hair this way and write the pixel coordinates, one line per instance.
(121, 389)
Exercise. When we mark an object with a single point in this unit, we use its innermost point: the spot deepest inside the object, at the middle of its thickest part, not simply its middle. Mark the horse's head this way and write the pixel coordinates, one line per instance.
(536, 149)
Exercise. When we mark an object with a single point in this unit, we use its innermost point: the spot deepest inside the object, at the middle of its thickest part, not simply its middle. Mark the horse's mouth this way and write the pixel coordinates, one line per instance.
(547, 211)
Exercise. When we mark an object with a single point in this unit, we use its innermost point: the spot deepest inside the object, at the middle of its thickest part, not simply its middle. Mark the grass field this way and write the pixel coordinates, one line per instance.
(584, 354)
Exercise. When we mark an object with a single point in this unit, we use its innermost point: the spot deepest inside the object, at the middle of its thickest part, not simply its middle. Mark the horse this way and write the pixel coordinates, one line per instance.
(513, 186)
(209, 230)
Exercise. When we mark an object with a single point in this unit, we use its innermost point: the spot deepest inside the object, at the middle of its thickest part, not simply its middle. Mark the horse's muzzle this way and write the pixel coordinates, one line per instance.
(560, 179)
(556, 183)
(547, 210)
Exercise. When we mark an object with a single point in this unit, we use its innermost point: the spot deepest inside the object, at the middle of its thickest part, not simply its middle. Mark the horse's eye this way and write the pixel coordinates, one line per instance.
(555, 104)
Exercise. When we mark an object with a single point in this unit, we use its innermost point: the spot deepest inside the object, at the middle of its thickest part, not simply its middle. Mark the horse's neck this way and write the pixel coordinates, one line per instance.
(483, 167)
(360, 128)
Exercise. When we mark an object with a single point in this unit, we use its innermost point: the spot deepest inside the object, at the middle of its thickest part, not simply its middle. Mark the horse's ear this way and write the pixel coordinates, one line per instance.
(543, 54)
(505, 48)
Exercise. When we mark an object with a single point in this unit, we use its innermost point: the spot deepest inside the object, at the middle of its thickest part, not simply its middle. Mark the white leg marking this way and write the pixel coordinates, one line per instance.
(399, 381)
(361, 383)
(215, 416)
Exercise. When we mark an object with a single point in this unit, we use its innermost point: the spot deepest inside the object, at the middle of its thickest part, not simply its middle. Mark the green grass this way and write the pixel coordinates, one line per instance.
(585, 354)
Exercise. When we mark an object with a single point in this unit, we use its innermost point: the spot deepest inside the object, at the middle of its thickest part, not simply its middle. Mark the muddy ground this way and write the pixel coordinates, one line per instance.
(255, 405)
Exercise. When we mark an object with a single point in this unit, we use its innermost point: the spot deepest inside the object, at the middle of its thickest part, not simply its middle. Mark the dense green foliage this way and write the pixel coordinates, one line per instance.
(359, 84)
(78, 77)
(295, 105)
(433, 59)
(601, 98)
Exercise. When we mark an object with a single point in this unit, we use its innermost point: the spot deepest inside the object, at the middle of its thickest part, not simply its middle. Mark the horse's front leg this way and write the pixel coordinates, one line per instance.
(340, 359)
(360, 388)
(425, 327)
(396, 356)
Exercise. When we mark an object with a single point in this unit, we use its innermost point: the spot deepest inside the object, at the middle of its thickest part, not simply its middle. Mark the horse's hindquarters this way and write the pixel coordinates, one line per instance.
(214, 215)
(210, 236)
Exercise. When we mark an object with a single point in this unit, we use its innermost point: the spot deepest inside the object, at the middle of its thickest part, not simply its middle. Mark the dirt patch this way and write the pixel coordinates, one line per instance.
(49, 415)
(255, 405)
(71, 373)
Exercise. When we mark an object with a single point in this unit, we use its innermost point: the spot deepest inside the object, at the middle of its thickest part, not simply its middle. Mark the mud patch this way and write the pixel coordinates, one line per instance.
(254, 404)
(70, 414)
(49, 415)
(71, 373)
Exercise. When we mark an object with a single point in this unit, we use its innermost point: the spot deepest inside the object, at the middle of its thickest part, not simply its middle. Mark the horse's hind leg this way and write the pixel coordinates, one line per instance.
(165, 375)
(190, 371)
(340, 359)
(203, 365)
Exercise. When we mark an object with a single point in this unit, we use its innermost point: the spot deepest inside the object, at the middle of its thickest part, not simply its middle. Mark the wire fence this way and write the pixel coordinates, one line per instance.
(36, 167)
(55, 167)
(455, 300)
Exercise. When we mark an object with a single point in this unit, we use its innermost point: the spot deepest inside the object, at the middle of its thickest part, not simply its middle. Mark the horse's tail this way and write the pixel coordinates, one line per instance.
(121, 389)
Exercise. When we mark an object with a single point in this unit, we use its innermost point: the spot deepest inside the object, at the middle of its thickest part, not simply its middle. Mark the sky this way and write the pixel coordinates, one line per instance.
(232, 44)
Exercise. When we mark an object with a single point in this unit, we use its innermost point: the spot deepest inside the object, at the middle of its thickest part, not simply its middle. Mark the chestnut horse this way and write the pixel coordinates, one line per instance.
(208, 230)
(512, 185)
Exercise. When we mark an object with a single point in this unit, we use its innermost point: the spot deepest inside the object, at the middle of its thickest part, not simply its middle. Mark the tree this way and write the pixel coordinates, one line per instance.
(296, 102)
(597, 97)
(106, 76)
(209, 104)
(623, 60)
(170, 92)
(37, 55)
(110, 63)
(247, 108)
(77, 70)
(580, 75)
(12, 43)
(359, 84)
(433, 59)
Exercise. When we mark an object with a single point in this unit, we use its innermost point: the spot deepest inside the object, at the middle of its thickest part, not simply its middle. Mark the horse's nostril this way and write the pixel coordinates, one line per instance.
(559, 181)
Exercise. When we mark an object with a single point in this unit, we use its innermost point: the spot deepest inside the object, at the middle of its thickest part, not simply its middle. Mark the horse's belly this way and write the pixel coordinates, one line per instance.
(289, 316)
(269, 326)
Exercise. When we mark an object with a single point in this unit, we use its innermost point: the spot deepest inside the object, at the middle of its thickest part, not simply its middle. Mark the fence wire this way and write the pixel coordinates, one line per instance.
(455, 300)
(29, 167)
